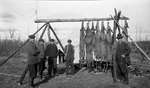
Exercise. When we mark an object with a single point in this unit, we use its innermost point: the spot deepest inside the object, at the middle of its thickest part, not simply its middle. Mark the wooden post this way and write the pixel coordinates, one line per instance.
(117, 16)
(43, 32)
(48, 34)
(11, 55)
(125, 31)
(76, 20)
(56, 37)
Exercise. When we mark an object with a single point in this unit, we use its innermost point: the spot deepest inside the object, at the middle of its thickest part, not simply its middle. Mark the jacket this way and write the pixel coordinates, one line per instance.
(51, 51)
(32, 53)
(69, 52)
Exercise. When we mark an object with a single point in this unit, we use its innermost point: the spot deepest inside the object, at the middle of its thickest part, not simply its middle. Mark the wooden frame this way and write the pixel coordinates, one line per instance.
(77, 20)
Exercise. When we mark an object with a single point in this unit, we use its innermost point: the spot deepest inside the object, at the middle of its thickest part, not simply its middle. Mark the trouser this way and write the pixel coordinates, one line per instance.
(23, 74)
(90, 65)
(69, 67)
(113, 73)
(41, 67)
(32, 73)
(122, 73)
(52, 66)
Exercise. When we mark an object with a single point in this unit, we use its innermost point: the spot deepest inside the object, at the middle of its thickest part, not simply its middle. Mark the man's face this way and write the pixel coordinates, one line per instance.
(51, 42)
(32, 40)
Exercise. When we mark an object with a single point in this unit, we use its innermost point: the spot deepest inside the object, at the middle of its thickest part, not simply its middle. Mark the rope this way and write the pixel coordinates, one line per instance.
(142, 51)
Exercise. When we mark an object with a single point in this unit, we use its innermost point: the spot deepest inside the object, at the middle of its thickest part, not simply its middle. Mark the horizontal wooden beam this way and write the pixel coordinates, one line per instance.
(76, 20)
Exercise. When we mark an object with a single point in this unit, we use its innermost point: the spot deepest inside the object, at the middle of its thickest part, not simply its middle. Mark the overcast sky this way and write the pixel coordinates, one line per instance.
(20, 15)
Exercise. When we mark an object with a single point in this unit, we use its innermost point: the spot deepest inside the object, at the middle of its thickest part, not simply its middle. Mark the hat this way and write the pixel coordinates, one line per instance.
(52, 40)
(31, 36)
(41, 40)
(119, 36)
(69, 41)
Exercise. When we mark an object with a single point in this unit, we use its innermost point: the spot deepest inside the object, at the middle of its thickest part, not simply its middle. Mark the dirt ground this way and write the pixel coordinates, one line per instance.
(81, 79)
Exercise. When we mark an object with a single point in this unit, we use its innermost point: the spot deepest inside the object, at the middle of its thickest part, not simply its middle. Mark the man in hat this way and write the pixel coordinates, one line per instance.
(41, 67)
(69, 57)
(122, 53)
(51, 53)
(32, 61)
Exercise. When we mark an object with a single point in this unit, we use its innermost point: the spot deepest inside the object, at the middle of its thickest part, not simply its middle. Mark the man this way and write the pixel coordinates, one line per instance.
(32, 61)
(41, 67)
(51, 52)
(122, 59)
(69, 57)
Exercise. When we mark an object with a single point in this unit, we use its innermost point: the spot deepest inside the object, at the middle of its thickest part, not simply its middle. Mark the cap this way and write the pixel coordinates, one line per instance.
(31, 36)
(41, 40)
(69, 41)
(52, 40)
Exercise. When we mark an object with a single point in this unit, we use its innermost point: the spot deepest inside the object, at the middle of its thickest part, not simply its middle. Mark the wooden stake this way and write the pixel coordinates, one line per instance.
(117, 16)
(48, 34)
(43, 32)
(76, 20)
(56, 37)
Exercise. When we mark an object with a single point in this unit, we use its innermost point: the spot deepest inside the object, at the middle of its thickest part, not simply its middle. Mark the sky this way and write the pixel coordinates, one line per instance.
(21, 14)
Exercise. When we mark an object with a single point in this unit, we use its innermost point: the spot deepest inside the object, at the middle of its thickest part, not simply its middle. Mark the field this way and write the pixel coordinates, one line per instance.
(81, 79)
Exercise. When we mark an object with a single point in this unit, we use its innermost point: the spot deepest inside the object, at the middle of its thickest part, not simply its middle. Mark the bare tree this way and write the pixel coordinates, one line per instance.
(11, 33)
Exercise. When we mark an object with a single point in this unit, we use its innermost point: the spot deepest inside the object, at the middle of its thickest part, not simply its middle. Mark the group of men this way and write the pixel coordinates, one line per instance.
(38, 54)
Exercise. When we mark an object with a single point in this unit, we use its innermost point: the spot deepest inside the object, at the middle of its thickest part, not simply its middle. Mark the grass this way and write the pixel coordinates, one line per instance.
(80, 80)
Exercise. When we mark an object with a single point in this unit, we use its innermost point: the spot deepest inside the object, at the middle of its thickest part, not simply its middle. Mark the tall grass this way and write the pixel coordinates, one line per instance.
(7, 46)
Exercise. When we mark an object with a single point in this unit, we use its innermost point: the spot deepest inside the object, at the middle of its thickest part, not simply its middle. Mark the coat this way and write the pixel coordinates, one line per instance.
(122, 62)
(51, 51)
(32, 53)
(42, 50)
(69, 53)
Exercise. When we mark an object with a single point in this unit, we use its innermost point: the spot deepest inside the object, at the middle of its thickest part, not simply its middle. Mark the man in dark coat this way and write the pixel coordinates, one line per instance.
(41, 67)
(69, 57)
(32, 61)
(122, 59)
(51, 52)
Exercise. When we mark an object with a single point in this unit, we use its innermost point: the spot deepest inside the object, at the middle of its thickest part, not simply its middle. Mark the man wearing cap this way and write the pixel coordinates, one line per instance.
(122, 53)
(51, 53)
(32, 61)
(69, 57)
(41, 66)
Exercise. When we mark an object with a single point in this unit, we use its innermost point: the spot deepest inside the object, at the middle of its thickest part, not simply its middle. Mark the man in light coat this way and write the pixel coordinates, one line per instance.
(32, 61)
(69, 57)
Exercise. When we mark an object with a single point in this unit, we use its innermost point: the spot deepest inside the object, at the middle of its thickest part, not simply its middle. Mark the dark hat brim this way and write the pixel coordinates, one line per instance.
(31, 36)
